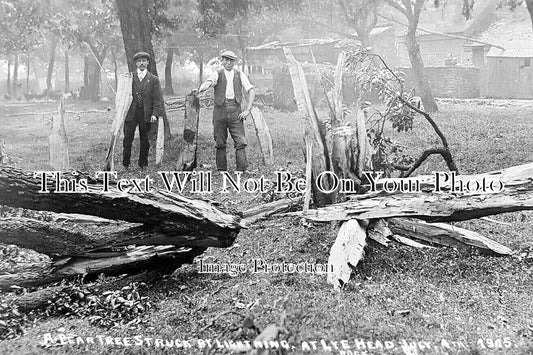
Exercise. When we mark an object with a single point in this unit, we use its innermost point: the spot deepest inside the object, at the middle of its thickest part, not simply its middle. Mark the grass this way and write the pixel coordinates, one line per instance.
(397, 294)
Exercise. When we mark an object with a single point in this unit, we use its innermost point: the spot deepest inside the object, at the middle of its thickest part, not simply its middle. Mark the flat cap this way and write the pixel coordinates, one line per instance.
(229, 55)
(141, 55)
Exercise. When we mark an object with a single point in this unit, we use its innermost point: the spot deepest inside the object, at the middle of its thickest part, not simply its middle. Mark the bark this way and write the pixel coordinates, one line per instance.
(263, 135)
(136, 27)
(445, 234)
(444, 206)
(529, 4)
(59, 146)
(15, 76)
(51, 63)
(167, 212)
(86, 67)
(28, 73)
(115, 68)
(320, 161)
(8, 83)
(422, 84)
(115, 263)
(187, 157)
(168, 72)
(64, 241)
(95, 75)
(201, 71)
(67, 70)
(263, 211)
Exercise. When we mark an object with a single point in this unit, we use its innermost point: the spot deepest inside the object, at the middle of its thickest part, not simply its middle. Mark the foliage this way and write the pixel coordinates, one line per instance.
(121, 307)
(374, 78)
(20, 28)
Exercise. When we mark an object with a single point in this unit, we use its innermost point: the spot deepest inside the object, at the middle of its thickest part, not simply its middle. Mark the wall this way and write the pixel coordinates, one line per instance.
(450, 81)
(434, 49)
(508, 78)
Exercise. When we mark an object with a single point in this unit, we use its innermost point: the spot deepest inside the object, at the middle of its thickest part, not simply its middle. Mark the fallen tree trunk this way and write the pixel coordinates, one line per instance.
(57, 242)
(173, 228)
(165, 212)
(443, 206)
(115, 263)
(445, 234)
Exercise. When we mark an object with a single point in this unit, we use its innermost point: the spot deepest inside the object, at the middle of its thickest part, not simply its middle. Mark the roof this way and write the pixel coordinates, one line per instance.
(513, 49)
(302, 43)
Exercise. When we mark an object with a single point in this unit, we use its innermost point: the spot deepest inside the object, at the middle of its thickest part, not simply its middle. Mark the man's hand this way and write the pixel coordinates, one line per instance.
(153, 119)
(244, 114)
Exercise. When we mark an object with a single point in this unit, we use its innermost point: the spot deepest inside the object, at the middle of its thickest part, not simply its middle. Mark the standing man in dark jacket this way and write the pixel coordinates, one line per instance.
(229, 85)
(146, 108)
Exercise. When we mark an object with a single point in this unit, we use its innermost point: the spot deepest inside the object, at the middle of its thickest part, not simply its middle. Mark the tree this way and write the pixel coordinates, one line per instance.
(468, 6)
(20, 31)
(167, 20)
(411, 10)
(137, 28)
(362, 15)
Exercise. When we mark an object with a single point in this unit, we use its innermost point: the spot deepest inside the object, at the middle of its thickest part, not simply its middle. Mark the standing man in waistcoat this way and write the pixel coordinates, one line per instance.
(229, 85)
(146, 107)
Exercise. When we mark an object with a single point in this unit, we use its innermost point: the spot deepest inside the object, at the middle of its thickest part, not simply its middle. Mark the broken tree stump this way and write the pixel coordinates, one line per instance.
(320, 161)
(187, 157)
(59, 150)
(263, 135)
(123, 100)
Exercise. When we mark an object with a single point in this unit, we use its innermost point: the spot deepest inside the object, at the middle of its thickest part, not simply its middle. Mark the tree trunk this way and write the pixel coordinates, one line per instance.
(422, 84)
(168, 72)
(136, 27)
(27, 74)
(67, 72)
(201, 71)
(15, 76)
(187, 156)
(443, 206)
(96, 74)
(86, 67)
(320, 158)
(94, 83)
(51, 63)
(8, 84)
(529, 4)
(114, 263)
(167, 212)
(115, 68)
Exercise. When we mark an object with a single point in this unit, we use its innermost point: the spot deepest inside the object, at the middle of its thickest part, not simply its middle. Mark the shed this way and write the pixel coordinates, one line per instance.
(509, 72)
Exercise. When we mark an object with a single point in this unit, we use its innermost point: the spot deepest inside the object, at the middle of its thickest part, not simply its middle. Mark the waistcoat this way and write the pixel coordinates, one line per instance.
(220, 87)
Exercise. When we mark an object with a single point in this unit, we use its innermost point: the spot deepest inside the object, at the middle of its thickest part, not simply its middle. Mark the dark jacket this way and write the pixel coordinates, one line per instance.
(146, 93)
(220, 87)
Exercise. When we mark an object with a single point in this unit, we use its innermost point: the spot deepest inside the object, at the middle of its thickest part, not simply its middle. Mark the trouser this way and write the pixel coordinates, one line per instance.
(226, 118)
(129, 134)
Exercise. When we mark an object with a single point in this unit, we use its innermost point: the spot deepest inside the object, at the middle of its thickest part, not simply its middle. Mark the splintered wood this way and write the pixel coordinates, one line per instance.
(166, 224)
(443, 206)
(320, 161)
(346, 252)
(59, 150)
(123, 100)
(263, 135)
(160, 144)
(187, 157)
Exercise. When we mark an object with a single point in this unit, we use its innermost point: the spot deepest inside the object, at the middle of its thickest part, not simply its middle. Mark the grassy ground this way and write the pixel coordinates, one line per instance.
(444, 300)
